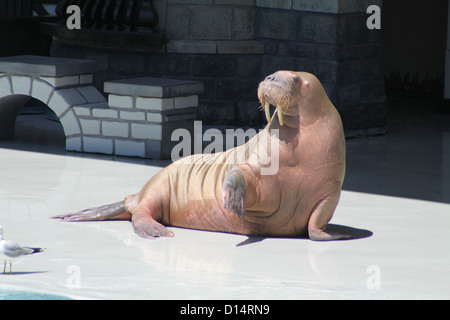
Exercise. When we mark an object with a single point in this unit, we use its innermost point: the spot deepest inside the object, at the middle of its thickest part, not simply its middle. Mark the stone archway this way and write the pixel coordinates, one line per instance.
(58, 83)
(137, 120)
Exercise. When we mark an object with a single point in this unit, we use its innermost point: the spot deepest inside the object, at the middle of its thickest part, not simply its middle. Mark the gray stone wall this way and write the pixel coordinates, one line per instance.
(232, 45)
(339, 49)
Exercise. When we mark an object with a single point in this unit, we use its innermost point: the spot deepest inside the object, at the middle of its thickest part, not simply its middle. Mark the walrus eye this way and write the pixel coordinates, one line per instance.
(295, 79)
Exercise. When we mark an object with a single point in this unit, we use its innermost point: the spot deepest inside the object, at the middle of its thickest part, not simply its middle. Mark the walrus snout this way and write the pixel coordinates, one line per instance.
(275, 90)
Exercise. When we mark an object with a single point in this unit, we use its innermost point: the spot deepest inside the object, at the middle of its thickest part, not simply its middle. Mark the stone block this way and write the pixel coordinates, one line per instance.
(349, 29)
(324, 70)
(156, 104)
(191, 46)
(90, 126)
(97, 145)
(240, 47)
(129, 148)
(249, 3)
(70, 123)
(115, 129)
(86, 78)
(190, 1)
(5, 86)
(281, 25)
(91, 94)
(250, 66)
(205, 24)
(274, 4)
(146, 131)
(283, 63)
(41, 90)
(186, 102)
(105, 113)
(21, 84)
(65, 98)
(180, 117)
(132, 115)
(178, 22)
(334, 6)
(309, 50)
(326, 6)
(243, 26)
(116, 101)
(214, 66)
(179, 65)
(318, 28)
(154, 117)
(62, 81)
(74, 144)
(84, 111)
(127, 62)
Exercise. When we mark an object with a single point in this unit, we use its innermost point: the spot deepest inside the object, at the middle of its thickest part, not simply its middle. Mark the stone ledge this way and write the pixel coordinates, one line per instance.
(153, 87)
(323, 6)
(46, 66)
(240, 47)
(191, 46)
(213, 47)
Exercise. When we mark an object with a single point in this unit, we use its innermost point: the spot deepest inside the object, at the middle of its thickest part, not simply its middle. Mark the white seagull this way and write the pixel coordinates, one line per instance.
(11, 250)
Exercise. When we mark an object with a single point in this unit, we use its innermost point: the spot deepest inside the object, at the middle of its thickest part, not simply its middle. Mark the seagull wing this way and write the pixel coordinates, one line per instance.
(13, 250)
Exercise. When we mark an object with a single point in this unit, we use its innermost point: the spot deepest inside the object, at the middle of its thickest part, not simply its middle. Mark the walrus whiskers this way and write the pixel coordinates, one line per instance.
(278, 95)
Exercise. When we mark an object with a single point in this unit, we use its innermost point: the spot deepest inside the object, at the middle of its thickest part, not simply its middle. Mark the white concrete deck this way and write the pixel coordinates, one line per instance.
(406, 257)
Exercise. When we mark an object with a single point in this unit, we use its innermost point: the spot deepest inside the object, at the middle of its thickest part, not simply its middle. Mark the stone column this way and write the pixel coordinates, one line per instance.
(331, 40)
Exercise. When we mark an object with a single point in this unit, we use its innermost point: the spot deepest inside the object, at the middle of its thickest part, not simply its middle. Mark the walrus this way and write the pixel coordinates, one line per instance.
(228, 191)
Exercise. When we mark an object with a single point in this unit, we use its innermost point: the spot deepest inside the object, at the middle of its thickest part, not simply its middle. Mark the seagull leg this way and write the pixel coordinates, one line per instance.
(4, 267)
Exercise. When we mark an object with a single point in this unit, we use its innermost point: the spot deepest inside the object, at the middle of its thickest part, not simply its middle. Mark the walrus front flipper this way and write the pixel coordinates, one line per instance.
(114, 211)
(146, 227)
(235, 192)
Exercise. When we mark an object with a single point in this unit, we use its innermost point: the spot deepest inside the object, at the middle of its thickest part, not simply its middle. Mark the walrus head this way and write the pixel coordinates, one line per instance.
(283, 89)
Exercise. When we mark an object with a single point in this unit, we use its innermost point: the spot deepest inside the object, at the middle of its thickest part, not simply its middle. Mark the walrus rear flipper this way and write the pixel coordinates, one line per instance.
(317, 225)
(114, 211)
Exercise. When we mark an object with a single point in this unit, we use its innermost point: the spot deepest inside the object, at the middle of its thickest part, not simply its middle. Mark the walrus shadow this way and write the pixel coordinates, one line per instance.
(354, 234)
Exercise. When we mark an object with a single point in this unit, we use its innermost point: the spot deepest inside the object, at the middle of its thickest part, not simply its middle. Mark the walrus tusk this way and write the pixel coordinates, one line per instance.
(280, 115)
(267, 109)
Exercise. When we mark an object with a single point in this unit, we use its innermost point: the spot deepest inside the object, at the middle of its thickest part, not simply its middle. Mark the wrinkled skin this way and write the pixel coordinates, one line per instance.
(226, 191)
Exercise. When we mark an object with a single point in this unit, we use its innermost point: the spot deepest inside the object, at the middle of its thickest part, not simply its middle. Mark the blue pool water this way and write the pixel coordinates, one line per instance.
(12, 294)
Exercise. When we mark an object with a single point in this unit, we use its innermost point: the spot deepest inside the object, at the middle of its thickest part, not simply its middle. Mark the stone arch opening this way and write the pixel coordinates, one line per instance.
(27, 123)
